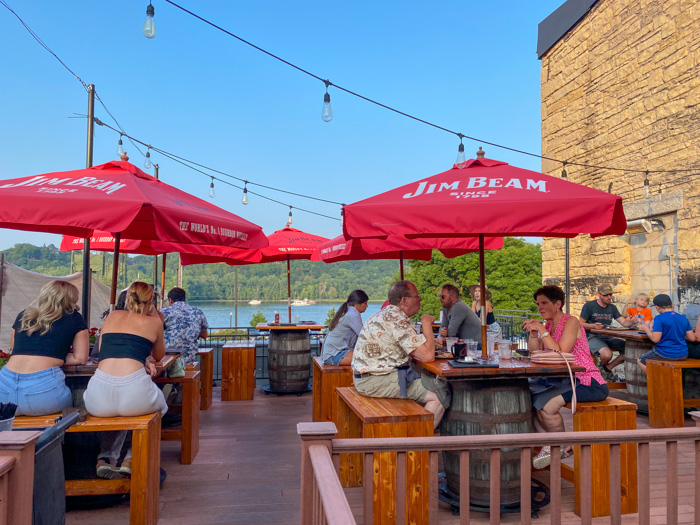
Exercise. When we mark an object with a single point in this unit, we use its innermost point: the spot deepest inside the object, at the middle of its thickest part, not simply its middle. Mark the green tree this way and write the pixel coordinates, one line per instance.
(330, 315)
(512, 274)
(258, 317)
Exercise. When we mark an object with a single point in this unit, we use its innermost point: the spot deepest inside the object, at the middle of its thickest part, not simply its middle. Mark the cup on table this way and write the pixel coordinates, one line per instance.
(449, 341)
(473, 349)
(505, 349)
(491, 344)
(297, 319)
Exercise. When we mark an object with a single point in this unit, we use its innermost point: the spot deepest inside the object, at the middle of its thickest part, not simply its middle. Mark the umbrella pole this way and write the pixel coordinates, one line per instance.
(482, 286)
(155, 280)
(401, 263)
(115, 272)
(87, 273)
(289, 291)
(162, 279)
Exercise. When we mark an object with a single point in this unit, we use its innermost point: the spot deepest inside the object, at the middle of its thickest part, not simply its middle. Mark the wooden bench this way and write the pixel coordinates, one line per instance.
(144, 485)
(665, 391)
(370, 417)
(609, 414)
(326, 379)
(188, 432)
(238, 370)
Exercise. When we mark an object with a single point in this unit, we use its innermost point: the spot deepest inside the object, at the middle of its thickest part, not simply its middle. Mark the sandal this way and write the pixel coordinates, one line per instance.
(105, 469)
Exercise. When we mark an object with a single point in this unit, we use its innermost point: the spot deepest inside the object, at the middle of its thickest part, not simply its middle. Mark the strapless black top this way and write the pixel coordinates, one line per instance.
(129, 346)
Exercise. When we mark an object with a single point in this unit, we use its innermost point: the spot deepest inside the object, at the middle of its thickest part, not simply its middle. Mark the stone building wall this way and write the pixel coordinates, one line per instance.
(621, 89)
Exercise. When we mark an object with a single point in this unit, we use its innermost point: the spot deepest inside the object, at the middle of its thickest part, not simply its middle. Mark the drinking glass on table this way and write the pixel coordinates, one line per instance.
(505, 350)
(297, 319)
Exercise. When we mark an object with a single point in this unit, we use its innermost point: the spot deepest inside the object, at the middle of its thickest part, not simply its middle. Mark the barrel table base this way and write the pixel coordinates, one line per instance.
(289, 361)
(635, 379)
(473, 412)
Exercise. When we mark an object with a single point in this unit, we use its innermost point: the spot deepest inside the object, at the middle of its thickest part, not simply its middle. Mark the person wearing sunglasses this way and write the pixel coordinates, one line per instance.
(458, 320)
(599, 313)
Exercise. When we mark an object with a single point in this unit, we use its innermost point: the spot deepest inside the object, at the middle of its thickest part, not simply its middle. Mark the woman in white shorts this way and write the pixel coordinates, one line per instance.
(131, 341)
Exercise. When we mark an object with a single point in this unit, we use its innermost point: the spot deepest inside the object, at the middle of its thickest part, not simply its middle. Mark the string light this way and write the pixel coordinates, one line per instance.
(147, 163)
(461, 158)
(120, 147)
(289, 222)
(610, 187)
(646, 184)
(563, 171)
(211, 189)
(149, 25)
(327, 113)
(244, 200)
(342, 217)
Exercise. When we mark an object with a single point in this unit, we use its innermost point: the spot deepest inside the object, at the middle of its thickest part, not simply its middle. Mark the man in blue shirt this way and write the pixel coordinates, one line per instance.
(184, 324)
(670, 332)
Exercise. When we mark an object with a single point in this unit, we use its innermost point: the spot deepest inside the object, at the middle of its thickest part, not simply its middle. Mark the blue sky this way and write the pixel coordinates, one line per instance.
(200, 94)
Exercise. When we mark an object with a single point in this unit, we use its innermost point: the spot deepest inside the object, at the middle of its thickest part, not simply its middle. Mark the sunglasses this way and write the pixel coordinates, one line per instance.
(606, 294)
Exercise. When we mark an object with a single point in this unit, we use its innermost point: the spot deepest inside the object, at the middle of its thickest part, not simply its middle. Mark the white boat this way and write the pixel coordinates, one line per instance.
(255, 302)
(302, 302)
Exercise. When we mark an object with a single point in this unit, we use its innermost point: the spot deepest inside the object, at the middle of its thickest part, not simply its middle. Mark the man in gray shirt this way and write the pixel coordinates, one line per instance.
(458, 320)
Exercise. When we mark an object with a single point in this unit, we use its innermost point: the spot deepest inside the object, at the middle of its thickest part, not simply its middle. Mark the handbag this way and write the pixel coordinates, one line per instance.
(555, 357)
(176, 369)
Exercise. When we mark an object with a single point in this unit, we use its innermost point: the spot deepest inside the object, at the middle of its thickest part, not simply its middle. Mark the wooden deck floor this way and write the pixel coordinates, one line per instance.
(248, 469)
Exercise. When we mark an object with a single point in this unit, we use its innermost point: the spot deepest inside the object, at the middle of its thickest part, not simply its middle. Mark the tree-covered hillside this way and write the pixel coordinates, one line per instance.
(512, 274)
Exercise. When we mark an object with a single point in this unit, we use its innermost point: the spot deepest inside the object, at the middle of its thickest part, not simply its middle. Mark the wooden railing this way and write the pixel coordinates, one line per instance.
(323, 501)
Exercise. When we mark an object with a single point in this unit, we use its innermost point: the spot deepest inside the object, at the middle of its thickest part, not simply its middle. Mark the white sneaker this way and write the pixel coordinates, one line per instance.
(543, 459)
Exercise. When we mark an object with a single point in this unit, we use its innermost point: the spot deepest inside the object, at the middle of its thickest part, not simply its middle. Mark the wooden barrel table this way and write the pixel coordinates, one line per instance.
(478, 407)
(289, 360)
(635, 379)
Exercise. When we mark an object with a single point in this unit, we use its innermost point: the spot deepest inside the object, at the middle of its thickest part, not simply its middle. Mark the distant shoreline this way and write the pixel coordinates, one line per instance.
(246, 301)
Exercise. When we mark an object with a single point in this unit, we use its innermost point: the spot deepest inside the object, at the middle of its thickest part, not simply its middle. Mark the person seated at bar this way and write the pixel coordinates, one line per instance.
(638, 309)
(40, 345)
(669, 334)
(458, 320)
(599, 313)
(493, 326)
(131, 341)
(387, 341)
(345, 326)
(562, 332)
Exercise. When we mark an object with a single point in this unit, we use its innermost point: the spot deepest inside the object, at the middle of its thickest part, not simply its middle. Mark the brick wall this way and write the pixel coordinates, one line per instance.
(622, 89)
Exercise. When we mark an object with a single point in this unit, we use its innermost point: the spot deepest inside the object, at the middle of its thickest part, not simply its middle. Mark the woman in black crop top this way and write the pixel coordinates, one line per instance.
(40, 344)
(131, 341)
(475, 291)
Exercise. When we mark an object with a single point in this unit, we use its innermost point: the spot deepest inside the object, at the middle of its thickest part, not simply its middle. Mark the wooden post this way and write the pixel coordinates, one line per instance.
(311, 434)
(162, 278)
(482, 287)
(289, 291)
(115, 271)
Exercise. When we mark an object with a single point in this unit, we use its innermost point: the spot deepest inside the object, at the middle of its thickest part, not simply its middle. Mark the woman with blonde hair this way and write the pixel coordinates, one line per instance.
(40, 344)
(131, 341)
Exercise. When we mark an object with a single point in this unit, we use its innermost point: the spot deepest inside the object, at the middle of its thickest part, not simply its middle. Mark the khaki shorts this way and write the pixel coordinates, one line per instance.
(388, 386)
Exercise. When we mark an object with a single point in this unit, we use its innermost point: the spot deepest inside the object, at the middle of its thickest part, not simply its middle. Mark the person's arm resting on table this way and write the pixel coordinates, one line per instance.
(81, 349)
(426, 351)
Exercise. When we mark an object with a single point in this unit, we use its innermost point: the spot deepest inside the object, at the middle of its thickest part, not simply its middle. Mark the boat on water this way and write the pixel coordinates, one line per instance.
(255, 302)
(302, 302)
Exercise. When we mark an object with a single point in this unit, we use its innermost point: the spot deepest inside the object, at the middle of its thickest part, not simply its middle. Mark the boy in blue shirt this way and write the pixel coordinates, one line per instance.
(670, 331)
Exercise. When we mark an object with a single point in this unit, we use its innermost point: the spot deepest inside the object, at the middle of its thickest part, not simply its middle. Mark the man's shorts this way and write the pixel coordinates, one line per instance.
(596, 342)
(653, 354)
(388, 386)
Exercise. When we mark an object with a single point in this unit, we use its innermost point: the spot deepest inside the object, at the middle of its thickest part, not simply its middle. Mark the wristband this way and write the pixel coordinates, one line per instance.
(544, 334)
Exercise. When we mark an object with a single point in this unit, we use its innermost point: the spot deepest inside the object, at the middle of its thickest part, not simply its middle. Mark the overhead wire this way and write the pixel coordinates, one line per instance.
(408, 115)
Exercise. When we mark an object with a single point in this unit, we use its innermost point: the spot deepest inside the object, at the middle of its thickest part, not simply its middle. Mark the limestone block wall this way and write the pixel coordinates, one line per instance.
(622, 89)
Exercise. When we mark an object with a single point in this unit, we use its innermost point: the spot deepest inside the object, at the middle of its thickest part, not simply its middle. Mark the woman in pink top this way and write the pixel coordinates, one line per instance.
(561, 332)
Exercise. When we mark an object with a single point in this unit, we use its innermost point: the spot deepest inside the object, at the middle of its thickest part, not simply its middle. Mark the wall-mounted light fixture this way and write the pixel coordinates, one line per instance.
(638, 226)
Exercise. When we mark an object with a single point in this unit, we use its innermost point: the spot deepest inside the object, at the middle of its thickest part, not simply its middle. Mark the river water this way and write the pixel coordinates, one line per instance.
(221, 314)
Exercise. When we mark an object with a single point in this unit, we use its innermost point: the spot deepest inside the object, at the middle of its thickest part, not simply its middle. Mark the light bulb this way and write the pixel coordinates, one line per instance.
(327, 113)
(342, 219)
(244, 200)
(149, 25)
(120, 149)
(289, 222)
(211, 189)
(147, 163)
(461, 159)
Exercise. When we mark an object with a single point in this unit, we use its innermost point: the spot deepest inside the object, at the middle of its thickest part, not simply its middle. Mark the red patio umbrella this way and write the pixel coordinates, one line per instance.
(486, 198)
(286, 244)
(118, 197)
(342, 249)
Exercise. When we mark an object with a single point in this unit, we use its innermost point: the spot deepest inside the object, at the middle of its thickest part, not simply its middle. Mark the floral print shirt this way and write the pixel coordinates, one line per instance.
(385, 342)
(182, 325)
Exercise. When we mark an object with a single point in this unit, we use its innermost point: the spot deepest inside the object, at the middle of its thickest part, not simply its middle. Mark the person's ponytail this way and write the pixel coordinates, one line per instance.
(355, 297)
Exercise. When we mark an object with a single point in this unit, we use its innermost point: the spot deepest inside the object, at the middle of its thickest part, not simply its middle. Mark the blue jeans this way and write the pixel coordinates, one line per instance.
(337, 358)
(37, 394)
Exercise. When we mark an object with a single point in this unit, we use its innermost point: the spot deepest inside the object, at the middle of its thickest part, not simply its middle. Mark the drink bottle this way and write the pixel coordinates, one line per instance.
(277, 318)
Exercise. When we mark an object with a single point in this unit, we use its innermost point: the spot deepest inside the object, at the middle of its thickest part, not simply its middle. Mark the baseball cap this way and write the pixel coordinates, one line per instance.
(662, 300)
(605, 289)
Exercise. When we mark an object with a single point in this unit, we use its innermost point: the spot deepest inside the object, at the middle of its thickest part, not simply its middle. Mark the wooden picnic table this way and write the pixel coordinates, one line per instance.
(488, 401)
(88, 369)
(636, 344)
